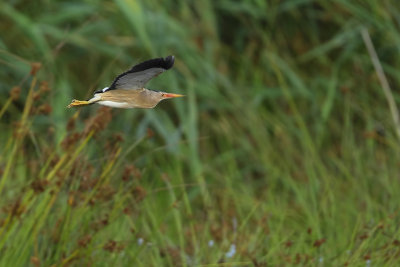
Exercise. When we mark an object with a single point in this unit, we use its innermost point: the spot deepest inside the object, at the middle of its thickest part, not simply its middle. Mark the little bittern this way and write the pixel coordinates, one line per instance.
(127, 90)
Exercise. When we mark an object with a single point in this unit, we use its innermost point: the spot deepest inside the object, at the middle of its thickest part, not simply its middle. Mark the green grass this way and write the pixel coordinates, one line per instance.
(284, 151)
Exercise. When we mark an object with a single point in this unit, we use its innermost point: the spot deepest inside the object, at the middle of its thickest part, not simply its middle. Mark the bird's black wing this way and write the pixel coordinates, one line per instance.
(140, 74)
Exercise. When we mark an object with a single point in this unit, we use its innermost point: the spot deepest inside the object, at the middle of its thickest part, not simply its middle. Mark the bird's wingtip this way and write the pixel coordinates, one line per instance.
(169, 61)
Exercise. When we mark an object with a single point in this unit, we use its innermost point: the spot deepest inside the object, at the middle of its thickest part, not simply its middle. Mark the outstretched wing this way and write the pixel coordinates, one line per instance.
(140, 74)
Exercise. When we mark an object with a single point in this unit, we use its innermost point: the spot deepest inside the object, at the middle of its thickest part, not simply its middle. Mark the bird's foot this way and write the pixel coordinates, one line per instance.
(76, 103)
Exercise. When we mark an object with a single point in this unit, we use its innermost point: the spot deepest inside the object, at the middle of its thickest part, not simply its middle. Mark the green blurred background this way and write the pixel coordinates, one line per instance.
(283, 152)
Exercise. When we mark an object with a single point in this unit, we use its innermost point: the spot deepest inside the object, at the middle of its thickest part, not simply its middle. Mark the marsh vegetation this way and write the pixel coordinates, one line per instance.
(283, 152)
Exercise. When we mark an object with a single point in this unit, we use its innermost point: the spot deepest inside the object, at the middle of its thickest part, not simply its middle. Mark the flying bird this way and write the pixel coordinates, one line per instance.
(127, 90)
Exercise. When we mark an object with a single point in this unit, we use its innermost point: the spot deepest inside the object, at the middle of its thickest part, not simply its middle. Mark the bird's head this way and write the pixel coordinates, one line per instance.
(157, 96)
(152, 97)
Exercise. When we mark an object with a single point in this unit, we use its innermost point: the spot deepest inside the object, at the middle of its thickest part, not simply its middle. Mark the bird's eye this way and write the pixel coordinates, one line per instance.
(162, 94)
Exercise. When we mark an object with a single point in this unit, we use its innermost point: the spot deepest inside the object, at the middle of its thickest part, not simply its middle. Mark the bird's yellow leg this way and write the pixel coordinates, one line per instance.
(76, 103)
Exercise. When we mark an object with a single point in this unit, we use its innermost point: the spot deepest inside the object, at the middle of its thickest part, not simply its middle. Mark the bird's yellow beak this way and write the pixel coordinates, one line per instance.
(168, 95)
